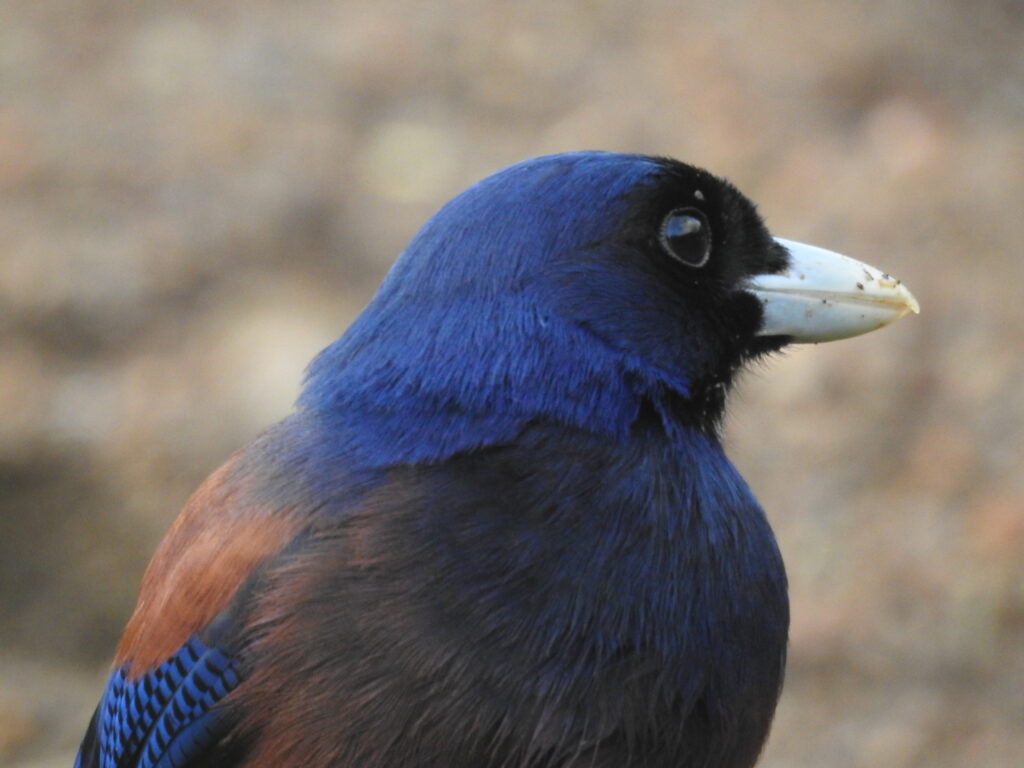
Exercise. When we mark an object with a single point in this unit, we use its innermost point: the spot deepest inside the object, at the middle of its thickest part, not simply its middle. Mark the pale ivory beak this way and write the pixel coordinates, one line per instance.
(824, 296)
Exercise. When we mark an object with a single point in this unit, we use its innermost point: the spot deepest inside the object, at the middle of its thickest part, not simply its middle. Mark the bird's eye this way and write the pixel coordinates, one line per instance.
(686, 237)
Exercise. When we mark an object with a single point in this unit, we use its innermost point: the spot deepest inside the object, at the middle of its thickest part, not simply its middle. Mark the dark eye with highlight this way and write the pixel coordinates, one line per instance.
(686, 237)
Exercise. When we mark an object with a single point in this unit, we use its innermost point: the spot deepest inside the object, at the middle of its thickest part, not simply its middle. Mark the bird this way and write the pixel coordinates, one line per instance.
(499, 529)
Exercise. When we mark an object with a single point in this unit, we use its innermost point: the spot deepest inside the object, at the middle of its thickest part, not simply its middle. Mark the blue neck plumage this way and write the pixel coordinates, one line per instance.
(415, 399)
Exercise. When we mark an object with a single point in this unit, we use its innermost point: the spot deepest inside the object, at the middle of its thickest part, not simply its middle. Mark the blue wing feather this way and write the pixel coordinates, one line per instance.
(166, 718)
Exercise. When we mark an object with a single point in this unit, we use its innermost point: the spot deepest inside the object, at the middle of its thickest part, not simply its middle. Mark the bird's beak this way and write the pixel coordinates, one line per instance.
(824, 296)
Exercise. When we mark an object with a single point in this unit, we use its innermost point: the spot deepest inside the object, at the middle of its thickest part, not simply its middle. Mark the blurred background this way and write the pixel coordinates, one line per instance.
(196, 197)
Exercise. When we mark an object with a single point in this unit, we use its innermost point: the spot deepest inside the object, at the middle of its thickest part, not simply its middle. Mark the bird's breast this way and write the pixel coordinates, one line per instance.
(638, 572)
(563, 590)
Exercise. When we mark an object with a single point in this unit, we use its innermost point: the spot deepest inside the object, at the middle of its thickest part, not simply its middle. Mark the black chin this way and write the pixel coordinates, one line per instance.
(749, 315)
(707, 400)
(760, 346)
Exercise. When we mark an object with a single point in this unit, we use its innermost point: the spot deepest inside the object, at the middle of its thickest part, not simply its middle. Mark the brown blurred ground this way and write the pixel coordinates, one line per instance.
(195, 197)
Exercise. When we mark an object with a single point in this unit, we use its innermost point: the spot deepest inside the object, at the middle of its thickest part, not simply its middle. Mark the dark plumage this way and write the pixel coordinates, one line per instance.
(500, 528)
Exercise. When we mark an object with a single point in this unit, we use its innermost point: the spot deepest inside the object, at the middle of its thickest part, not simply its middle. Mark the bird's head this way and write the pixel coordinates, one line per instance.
(573, 288)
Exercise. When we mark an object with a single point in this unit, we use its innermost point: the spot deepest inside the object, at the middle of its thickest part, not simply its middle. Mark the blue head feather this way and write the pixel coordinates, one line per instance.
(510, 304)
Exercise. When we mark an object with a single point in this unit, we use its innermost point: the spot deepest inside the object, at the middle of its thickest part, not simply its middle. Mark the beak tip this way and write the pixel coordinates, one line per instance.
(908, 299)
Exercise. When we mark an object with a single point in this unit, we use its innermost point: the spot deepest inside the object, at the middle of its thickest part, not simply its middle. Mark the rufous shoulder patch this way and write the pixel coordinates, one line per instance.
(216, 542)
